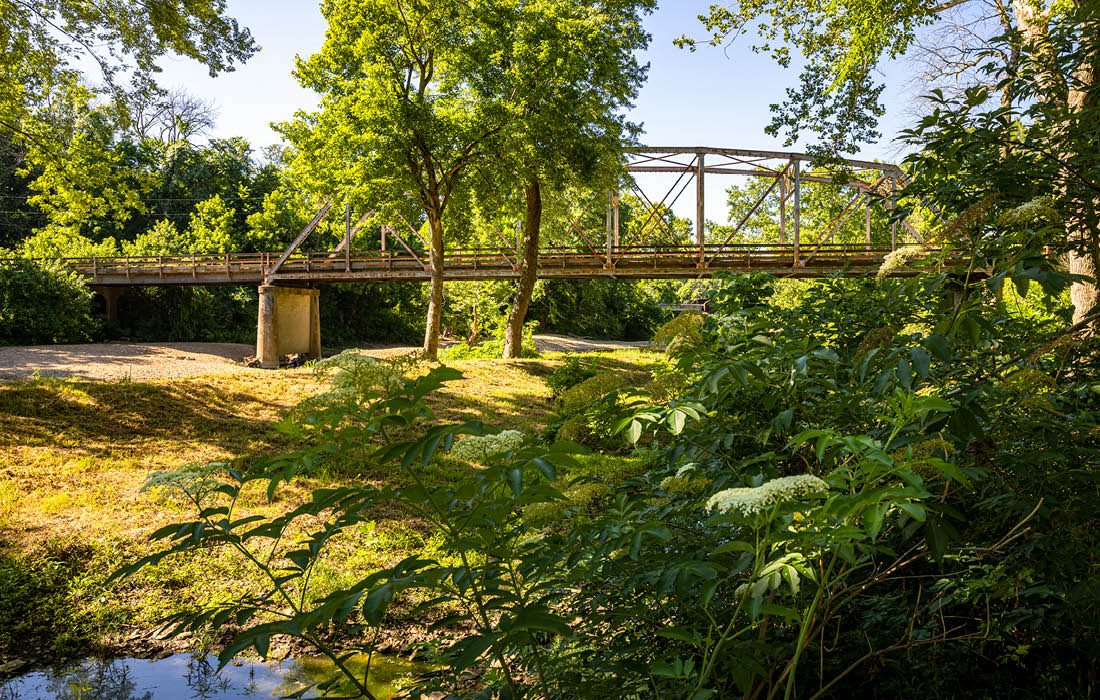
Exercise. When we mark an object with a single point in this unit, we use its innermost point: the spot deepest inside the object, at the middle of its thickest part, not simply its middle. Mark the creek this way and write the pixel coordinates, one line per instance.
(184, 677)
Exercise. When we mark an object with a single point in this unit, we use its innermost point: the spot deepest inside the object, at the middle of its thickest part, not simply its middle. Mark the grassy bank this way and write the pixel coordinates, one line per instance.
(75, 455)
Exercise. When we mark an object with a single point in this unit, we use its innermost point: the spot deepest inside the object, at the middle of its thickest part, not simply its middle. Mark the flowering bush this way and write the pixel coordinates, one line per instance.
(481, 448)
(750, 501)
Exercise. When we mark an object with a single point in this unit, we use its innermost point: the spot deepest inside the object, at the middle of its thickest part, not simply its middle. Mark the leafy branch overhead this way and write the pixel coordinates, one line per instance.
(45, 41)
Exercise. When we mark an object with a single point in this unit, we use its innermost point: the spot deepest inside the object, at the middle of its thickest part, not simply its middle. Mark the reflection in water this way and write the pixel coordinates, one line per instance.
(195, 677)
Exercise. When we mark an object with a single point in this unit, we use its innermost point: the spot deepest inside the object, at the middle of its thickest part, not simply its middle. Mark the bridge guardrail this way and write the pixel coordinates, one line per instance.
(247, 268)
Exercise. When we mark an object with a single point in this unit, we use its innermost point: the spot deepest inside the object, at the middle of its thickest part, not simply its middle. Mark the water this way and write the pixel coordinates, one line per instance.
(184, 677)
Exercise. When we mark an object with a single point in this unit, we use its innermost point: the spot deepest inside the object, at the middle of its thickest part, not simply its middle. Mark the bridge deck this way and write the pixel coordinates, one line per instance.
(480, 264)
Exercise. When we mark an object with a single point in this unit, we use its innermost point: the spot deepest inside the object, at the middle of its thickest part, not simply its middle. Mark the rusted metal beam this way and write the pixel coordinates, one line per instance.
(797, 209)
(393, 232)
(301, 237)
(744, 153)
(700, 202)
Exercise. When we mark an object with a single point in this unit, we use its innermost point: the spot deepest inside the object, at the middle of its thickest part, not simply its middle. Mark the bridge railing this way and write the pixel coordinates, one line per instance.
(257, 266)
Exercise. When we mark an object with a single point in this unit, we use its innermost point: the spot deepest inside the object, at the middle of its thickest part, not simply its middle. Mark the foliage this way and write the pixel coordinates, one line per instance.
(491, 348)
(683, 330)
(572, 371)
(824, 208)
(43, 40)
(198, 314)
(589, 411)
(598, 308)
(836, 45)
(816, 465)
(51, 243)
(38, 610)
(42, 302)
(93, 186)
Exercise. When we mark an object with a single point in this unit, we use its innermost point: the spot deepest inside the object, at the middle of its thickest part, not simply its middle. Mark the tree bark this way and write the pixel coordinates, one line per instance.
(1083, 256)
(435, 296)
(1084, 250)
(528, 271)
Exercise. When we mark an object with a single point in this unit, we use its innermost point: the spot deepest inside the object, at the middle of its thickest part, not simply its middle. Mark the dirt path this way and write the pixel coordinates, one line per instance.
(146, 361)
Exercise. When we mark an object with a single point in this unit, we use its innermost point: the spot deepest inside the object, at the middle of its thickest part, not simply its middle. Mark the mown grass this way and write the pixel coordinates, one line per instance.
(74, 456)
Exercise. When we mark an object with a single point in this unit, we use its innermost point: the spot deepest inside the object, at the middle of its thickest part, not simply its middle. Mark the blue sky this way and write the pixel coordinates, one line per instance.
(712, 97)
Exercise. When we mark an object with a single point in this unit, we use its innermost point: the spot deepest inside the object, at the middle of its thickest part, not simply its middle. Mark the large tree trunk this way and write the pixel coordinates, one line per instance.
(1083, 257)
(1081, 228)
(528, 271)
(435, 297)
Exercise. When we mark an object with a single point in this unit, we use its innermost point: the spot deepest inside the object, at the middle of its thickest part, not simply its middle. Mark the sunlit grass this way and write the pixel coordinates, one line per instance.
(74, 456)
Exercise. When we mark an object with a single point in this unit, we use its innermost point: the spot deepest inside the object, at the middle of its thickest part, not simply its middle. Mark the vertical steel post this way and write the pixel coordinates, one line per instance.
(867, 233)
(783, 207)
(608, 232)
(797, 213)
(616, 218)
(347, 237)
(893, 206)
(700, 201)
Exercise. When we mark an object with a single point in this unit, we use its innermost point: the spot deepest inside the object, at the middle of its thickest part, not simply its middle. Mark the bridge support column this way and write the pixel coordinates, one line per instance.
(288, 323)
(110, 301)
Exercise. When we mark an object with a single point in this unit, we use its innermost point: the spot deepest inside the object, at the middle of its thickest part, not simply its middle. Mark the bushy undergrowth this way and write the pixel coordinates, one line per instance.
(43, 303)
(492, 348)
(683, 330)
(572, 371)
(857, 495)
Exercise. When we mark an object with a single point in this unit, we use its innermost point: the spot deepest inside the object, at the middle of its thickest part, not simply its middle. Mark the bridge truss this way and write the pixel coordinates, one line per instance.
(398, 259)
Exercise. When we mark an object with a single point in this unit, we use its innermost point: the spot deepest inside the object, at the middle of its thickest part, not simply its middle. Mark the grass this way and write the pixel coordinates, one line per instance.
(74, 456)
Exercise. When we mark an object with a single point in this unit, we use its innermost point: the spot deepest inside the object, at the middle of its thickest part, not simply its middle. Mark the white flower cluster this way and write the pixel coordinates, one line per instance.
(755, 500)
(478, 448)
(900, 258)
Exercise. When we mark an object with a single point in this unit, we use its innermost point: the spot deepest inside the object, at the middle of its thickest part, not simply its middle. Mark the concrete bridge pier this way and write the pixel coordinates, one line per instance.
(110, 301)
(289, 322)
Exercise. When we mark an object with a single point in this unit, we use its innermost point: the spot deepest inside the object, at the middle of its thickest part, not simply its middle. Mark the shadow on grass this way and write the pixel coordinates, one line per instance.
(78, 415)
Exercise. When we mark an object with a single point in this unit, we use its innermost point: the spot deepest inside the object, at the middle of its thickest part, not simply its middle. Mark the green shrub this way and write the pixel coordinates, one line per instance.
(573, 371)
(598, 308)
(42, 302)
(590, 410)
(493, 348)
(685, 329)
(590, 392)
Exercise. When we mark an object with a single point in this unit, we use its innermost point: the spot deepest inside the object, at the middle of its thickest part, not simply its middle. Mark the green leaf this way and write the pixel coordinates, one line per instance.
(939, 346)
(905, 373)
(873, 517)
(915, 510)
(921, 361)
(677, 419)
(466, 652)
(515, 480)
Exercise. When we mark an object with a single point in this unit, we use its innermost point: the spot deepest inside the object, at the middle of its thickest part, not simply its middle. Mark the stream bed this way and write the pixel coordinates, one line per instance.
(184, 676)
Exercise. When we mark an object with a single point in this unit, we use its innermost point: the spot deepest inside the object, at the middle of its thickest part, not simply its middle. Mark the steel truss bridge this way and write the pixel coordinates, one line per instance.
(603, 254)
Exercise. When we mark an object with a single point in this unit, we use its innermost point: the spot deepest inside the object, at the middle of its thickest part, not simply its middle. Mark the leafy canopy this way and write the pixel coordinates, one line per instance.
(42, 41)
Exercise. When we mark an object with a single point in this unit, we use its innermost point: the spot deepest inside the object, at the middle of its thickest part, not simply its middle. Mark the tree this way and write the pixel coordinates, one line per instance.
(92, 179)
(43, 38)
(1043, 62)
(407, 106)
(570, 71)
(171, 116)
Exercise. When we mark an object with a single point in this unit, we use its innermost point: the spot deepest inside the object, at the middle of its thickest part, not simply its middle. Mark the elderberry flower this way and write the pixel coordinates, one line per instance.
(479, 448)
(749, 501)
